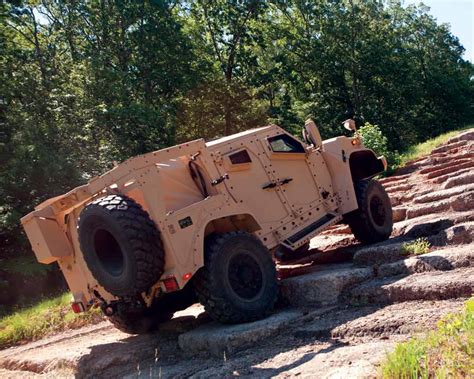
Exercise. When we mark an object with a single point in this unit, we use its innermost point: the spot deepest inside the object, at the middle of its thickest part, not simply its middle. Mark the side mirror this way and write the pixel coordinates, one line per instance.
(350, 125)
(311, 134)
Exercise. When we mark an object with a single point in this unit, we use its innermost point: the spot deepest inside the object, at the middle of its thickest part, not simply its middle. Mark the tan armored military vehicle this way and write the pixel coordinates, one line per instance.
(204, 218)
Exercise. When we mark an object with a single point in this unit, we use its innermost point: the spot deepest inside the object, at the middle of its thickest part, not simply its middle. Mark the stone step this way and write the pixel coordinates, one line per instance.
(445, 178)
(430, 225)
(439, 260)
(455, 167)
(466, 136)
(461, 233)
(459, 180)
(448, 147)
(395, 184)
(437, 285)
(375, 321)
(436, 166)
(397, 199)
(438, 233)
(460, 202)
(392, 179)
(446, 158)
(379, 254)
(425, 209)
(323, 287)
(443, 194)
(399, 188)
(222, 340)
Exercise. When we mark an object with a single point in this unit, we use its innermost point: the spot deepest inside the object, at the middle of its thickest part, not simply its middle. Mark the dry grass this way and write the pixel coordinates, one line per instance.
(46, 317)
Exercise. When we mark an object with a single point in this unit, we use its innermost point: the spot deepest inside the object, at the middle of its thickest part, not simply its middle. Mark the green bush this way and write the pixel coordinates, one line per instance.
(373, 138)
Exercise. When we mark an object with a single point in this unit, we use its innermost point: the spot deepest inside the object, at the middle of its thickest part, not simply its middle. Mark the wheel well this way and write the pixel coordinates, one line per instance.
(365, 164)
(244, 222)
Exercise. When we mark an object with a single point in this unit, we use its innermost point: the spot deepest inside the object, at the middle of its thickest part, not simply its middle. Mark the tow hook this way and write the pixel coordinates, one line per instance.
(120, 306)
(108, 309)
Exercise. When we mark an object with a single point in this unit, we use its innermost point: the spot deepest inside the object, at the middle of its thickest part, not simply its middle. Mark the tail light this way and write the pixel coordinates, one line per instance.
(77, 307)
(171, 284)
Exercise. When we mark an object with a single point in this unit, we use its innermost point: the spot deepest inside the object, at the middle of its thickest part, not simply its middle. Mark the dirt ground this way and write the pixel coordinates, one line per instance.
(343, 306)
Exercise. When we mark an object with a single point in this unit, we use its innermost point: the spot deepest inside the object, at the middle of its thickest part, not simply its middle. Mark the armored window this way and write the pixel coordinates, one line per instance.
(239, 157)
(285, 144)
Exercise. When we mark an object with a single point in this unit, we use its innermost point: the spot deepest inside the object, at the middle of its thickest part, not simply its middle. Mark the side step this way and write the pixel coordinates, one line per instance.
(308, 232)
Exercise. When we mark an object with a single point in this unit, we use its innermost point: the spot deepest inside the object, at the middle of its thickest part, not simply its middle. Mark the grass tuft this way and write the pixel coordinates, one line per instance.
(416, 247)
(46, 317)
(447, 352)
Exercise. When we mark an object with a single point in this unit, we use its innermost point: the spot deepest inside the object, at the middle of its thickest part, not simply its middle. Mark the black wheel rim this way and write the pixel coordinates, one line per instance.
(377, 211)
(108, 252)
(245, 276)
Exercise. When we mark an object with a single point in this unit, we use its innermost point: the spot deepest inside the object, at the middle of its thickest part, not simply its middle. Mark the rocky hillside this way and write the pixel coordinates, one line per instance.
(342, 306)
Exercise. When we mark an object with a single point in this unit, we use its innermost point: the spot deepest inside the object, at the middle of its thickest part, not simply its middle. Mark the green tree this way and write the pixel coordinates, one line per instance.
(225, 34)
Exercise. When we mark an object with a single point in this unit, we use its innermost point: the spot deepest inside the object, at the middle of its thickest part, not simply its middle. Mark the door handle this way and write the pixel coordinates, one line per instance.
(269, 185)
(285, 181)
(280, 183)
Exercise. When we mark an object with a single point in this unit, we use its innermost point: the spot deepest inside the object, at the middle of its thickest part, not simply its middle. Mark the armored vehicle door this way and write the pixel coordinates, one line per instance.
(301, 178)
(247, 173)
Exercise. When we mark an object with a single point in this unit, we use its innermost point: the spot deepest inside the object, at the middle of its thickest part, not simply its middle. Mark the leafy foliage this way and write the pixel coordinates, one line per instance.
(373, 138)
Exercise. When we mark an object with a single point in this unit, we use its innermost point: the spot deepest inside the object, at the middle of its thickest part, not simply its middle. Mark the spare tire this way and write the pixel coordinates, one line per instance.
(121, 245)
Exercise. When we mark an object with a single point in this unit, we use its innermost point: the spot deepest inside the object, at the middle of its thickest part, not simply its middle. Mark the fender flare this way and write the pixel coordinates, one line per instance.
(364, 164)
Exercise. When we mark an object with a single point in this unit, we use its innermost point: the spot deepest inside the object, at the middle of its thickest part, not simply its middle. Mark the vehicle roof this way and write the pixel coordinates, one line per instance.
(237, 136)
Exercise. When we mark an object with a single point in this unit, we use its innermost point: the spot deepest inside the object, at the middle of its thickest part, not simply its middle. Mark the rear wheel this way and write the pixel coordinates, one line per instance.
(121, 245)
(372, 222)
(238, 282)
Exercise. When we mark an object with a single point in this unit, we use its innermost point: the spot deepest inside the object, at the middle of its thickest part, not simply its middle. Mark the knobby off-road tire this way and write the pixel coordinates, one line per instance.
(121, 245)
(372, 222)
(238, 282)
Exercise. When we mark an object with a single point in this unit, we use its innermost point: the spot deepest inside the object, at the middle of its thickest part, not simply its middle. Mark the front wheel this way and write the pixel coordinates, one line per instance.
(238, 282)
(372, 222)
